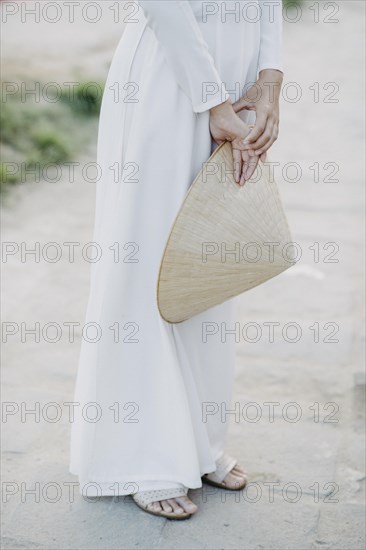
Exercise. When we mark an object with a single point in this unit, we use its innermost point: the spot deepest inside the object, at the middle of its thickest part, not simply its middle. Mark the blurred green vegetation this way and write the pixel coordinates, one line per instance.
(48, 145)
(39, 133)
(5, 176)
(85, 99)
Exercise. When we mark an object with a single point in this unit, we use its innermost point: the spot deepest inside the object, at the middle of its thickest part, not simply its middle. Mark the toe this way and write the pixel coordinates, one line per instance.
(154, 507)
(187, 505)
(239, 468)
(233, 481)
(238, 471)
(166, 506)
(176, 508)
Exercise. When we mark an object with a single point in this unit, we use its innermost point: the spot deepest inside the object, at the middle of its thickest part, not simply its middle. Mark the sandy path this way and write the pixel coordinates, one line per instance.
(72, 46)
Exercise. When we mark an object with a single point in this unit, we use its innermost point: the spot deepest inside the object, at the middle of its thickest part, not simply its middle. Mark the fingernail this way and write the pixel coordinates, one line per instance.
(258, 153)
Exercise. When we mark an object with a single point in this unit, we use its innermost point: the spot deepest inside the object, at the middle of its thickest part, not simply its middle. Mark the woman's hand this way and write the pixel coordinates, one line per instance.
(264, 98)
(225, 125)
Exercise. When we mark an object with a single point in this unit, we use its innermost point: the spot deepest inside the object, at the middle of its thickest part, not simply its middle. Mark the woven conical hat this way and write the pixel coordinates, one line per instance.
(220, 243)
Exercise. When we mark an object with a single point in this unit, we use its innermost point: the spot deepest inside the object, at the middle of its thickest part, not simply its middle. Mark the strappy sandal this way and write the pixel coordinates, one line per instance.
(144, 498)
(224, 465)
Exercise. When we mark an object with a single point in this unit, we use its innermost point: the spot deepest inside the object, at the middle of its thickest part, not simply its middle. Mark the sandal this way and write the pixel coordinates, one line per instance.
(144, 498)
(224, 465)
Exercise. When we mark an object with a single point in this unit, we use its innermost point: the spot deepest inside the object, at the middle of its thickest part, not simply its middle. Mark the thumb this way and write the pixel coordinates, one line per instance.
(243, 104)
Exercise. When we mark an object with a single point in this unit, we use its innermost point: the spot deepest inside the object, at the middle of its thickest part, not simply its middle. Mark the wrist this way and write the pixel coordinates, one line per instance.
(270, 80)
(270, 75)
(222, 109)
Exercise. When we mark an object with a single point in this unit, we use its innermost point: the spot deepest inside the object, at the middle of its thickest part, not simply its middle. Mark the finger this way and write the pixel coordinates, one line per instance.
(252, 165)
(242, 104)
(237, 164)
(268, 144)
(264, 138)
(263, 146)
(259, 128)
(263, 157)
(271, 133)
(265, 141)
(245, 158)
(238, 142)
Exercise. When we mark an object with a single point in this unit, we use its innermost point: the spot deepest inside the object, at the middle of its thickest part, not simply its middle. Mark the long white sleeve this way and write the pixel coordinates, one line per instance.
(270, 54)
(186, 51)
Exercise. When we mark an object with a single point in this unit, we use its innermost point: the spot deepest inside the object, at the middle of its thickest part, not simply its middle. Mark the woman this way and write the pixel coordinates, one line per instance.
(185, 76)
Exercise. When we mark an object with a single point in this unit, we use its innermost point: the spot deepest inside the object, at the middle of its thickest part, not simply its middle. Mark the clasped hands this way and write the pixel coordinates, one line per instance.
(249, 145)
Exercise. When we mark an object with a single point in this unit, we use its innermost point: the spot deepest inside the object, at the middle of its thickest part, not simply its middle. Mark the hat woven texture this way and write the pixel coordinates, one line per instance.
(225, 239)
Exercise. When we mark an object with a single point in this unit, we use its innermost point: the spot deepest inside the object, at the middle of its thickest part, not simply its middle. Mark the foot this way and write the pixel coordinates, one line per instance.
(178, 505)
(235, 478)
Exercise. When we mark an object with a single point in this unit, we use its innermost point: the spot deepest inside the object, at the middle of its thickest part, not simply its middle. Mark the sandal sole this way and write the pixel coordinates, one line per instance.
(165, 515)
(222, 486)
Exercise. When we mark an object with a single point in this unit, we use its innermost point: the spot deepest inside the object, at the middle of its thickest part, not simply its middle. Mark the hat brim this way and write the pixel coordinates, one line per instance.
(225, 240)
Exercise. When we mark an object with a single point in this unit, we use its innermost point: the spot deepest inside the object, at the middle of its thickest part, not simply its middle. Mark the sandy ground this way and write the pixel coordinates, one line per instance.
(315, 465)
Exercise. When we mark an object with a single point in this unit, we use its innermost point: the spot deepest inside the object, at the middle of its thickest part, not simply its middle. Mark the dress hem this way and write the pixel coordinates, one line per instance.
(118, 487)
